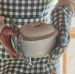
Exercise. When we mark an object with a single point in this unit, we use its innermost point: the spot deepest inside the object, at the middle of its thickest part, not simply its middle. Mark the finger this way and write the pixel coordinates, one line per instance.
(13, 52)
(8, 46)
(13, 32)
(13, 56)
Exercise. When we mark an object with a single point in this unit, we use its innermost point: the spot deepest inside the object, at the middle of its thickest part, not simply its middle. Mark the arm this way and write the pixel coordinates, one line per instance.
(61, 19)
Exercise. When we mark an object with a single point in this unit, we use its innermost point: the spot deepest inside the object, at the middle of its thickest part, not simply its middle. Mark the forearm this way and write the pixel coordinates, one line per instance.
(1, 24)
(61, 19)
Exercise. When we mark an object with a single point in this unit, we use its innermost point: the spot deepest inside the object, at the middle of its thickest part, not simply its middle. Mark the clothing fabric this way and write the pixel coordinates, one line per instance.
(61, 19)
(35, 11)
(41, 66)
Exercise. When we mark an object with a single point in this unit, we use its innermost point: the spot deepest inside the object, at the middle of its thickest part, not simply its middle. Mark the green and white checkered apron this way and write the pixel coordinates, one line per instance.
(24, 12)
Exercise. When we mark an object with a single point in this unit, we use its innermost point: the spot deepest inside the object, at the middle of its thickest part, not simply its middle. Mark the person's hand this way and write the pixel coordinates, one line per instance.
(5, 38)
(54, 73)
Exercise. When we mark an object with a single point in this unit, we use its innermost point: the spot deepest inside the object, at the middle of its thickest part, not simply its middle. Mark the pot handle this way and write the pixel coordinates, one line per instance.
(36, 24)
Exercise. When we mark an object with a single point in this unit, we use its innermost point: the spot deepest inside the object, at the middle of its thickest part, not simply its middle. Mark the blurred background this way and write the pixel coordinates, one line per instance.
(67, 60)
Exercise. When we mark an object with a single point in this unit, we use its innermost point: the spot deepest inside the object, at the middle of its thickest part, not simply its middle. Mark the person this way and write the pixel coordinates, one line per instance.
(27, 11)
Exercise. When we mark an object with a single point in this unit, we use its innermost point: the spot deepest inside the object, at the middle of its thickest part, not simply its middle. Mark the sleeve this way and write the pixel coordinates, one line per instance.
(61, 19)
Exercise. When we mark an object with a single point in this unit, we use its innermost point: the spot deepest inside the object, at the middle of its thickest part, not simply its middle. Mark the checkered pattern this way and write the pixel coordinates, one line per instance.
(41, 65)
(24, 8)
(61, 19)
(5, 11)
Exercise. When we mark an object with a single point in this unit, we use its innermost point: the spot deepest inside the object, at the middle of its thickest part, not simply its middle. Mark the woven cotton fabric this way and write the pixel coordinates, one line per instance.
(27, 11)
(41, 66)
(61, 19)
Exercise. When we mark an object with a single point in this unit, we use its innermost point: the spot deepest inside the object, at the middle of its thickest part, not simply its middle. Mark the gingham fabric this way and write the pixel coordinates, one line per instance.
(61, 19)
(60, 15)
(17, 66)
(13, 9)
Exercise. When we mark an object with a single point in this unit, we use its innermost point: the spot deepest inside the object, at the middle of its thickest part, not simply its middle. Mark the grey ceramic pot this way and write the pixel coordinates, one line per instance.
(38, 39)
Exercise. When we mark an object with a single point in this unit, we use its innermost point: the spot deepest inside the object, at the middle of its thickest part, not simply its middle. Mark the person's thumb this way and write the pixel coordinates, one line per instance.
(13, 32)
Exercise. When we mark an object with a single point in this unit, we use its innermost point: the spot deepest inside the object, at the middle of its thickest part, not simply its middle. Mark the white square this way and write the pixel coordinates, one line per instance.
(22, 7)
(61, 16)
(8, 19)
(29, 7)
(16, 13)
(11, 7)
(11, 1)
(22, 65)
(38, 65)
(51, 67)
(21, 70)
(18, 61)
(55, 18)
(23, 1)
(12, 61)
(28, 13)
(1, 68)
(11, 13)
(27, 71)
(19, 20)
(5, 6)
(55, 14)
(19, 26)
(14, 73)
(16, 69)
(5, 12)
(60, 19)
(40, 7)
(11, 65)
(5, 0)
(34, 13)
(37, 19)
(10, 68)
(6, 53)
(9, 72)
(22, 13)
(2, 63)
(17, 65)
(17, 7)
(55, 22)
(26, 20)
(17, 1)
(1, 46)
(35, 1)
(60, 25)
(29, 1)
(31, 20)
(38, 71)
(34, 7)
(60, 11)
(32, 71)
